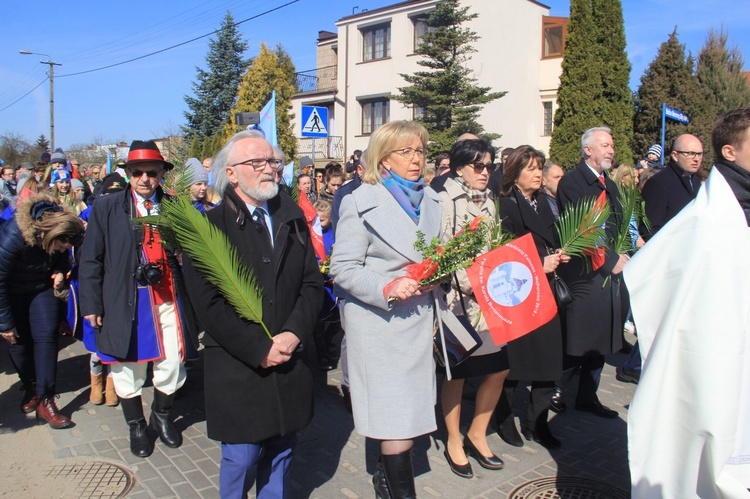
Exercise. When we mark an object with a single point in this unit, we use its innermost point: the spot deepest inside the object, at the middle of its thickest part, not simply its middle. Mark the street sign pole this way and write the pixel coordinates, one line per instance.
(663, 130)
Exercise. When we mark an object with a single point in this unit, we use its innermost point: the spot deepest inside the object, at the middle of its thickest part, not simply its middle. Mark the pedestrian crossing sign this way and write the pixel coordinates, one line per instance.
(314, 121)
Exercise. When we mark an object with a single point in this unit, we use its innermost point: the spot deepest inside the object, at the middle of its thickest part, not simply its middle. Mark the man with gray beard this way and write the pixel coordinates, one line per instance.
(592, 324)
(258, 390)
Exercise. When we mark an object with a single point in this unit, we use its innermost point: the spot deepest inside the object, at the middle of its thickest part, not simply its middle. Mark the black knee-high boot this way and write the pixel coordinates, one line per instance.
(379, 482)
(159, 422)
(506, 424)
(399, 475)
(140, 443)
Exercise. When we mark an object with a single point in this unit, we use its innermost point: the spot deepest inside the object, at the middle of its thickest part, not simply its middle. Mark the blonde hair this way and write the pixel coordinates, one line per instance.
(382, 143)
(621, 172)
(324, 207)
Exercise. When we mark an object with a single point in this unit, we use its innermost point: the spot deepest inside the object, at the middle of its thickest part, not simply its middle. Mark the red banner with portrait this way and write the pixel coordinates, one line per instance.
(512, 290)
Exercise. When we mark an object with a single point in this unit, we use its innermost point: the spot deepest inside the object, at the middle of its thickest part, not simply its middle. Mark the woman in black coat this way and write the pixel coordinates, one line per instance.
(536, 356)
(34, 259)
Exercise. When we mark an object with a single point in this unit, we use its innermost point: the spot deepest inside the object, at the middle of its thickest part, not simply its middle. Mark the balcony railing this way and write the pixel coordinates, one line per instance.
(317, 79)
(328, 148)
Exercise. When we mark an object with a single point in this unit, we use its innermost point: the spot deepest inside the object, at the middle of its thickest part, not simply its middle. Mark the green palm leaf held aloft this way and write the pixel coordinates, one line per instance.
(215, 256)
(580, 226)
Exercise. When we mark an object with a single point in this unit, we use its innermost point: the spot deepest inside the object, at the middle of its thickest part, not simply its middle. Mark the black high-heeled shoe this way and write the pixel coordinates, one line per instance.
(542, 435)
(462, 470)
(489, 463)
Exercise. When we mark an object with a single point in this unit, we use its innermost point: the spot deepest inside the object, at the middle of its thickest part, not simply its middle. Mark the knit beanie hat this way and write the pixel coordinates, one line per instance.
(60, 175)
(58, 157)
(198, 173)
(75, 184)
(655, 150)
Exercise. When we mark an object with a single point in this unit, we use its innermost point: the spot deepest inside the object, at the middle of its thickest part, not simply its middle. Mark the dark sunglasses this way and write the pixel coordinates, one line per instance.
(479, 167)
(74, 240)
(139, 173)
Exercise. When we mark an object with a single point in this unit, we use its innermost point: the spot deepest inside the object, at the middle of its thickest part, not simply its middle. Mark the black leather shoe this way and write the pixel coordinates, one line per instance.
(626, 375)
(160, 423)
(557, 402)
(597, 409)
(544, 438)
(489, 463)
(462, 470)
(509, 433)
(140, 442)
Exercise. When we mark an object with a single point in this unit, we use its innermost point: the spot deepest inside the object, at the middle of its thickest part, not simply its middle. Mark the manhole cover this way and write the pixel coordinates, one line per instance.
(95, 479)
(566, 488)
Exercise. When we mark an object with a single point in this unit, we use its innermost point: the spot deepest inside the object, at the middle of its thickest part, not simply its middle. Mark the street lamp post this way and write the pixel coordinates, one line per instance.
(52, 65)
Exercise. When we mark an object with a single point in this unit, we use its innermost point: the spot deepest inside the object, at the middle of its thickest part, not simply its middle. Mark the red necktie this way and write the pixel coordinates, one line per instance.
(598, 255)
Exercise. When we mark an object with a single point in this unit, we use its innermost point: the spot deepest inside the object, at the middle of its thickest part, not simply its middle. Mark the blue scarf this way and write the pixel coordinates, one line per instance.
(408, 194)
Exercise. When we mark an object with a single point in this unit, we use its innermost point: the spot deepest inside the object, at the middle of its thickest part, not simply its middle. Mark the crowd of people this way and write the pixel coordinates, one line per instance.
(352, 302)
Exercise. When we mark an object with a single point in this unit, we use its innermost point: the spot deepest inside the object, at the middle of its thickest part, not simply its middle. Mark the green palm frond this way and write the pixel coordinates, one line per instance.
(579, 227)
(177, 181)
(629, 200)
(215, 256)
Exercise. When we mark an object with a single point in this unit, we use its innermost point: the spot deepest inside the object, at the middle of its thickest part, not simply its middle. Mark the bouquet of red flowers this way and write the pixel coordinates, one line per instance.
(442, 260)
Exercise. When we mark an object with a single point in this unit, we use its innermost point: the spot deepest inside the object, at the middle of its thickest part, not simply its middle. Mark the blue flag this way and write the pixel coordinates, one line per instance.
(268, 120)
(109, 162)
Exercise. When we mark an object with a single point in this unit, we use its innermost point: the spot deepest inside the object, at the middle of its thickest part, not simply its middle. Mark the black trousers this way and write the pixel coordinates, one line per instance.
(34, 355)
(539, 401)
(590, 375)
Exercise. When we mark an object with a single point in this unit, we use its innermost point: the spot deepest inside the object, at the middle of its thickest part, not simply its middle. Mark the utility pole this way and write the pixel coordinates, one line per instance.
(51, 74)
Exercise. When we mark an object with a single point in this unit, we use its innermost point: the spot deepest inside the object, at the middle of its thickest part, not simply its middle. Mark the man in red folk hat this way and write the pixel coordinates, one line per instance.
(129, 286)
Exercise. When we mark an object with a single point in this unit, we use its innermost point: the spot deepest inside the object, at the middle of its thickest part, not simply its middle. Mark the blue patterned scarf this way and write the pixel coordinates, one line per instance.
(408, 194)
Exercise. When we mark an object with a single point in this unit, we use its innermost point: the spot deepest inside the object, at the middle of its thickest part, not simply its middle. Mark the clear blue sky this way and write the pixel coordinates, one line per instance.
(144, 99)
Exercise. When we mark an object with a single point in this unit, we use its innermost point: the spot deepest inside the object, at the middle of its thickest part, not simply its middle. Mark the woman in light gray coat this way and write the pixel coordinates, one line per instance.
(388, 319)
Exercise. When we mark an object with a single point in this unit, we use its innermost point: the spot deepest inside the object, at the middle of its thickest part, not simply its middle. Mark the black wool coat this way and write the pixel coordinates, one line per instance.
(664, 195)
(246, 403)
(536, 356)
(593, 323)
(107, 274)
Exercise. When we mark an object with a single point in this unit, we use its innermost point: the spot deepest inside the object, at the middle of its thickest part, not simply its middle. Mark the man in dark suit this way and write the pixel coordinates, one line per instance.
(258, 389)
(133, 294)
(592, 324)
(667, 192)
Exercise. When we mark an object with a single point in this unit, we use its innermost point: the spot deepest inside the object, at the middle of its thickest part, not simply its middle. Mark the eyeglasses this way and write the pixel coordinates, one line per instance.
(139, 173)
(408, 153)
(259, 164)
(691, 154)
(479, 167)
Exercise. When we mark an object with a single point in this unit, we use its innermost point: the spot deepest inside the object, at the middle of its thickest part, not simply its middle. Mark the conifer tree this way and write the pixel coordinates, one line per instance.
(594, 82)
(617, 98)
(446, 91)
(668, 79)
(721, 84)
(270, 70)
(216, 87)
(195, 148)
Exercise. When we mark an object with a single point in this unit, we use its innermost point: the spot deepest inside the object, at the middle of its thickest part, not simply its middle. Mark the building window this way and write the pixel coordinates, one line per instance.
(554, 31)
(548, 117)
(417, 112)
(420, 29)
(374, 114)
(376, 42)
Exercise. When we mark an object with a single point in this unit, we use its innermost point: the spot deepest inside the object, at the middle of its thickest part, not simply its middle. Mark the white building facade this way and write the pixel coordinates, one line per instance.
(519, 51)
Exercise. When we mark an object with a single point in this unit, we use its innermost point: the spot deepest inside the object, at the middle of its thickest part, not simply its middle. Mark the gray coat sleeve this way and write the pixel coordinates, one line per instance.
(348, 261)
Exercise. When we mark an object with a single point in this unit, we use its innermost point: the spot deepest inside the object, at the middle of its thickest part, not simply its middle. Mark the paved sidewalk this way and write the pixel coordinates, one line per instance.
(331, 460)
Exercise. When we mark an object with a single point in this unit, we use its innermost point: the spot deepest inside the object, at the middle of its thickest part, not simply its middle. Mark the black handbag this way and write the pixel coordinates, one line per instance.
(563, 296)
(460, 341)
